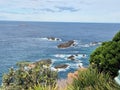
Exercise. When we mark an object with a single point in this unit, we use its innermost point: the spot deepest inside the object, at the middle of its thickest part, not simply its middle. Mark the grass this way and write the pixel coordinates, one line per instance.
(39, 87)
(90, 79)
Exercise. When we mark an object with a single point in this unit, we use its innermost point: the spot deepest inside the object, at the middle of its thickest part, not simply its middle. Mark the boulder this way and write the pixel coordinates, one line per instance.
(62, 66)
(66, 44)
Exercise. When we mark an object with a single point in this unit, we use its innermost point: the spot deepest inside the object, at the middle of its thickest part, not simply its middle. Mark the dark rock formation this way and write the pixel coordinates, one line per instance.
(66, 44)
(45, 61)
(72, 57)
(61, 66)
(53, 39)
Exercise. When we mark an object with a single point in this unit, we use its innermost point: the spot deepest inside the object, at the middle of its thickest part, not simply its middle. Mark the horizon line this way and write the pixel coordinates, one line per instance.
(57, 21)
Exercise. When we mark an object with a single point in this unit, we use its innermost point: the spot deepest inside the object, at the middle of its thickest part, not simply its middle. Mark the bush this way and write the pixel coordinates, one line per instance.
(106, 58)
(117, 37)
(26, 77)
(90, 79)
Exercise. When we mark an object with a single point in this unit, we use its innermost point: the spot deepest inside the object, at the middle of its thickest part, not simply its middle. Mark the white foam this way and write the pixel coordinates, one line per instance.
(79, 65)
(49, 39)
(54, 60)
(85, 45)
(76, 65)
(43, 38)
(59, 69)
(99, 43)
(95, 43)
(75, 42)
(90, 44)
(62, 55)
(65, 56)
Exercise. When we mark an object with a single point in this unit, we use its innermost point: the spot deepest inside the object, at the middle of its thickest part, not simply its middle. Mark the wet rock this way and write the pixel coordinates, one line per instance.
(62, 66)
(72, 57)
(67, 44)
(53, 39)
(84, 56)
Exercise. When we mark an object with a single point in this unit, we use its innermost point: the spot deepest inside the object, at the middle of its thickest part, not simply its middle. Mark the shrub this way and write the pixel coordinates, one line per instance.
(90, 79)
(106, 58)
(117, 37)
(26, 77)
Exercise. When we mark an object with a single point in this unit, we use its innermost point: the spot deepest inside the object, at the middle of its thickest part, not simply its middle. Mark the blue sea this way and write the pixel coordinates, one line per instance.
(27, 41)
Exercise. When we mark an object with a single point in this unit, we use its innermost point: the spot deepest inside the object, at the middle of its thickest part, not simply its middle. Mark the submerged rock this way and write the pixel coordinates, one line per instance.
(67, 44)
(95, 43)
(61, 66)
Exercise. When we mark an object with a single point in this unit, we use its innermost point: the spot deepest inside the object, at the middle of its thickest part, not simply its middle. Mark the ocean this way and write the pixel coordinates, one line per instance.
(27, 41)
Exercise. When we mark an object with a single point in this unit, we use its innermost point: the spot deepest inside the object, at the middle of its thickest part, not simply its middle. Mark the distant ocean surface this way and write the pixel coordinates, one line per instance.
(27, 41)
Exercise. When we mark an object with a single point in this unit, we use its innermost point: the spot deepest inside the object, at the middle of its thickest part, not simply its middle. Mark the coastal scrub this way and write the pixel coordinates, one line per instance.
(29, 75)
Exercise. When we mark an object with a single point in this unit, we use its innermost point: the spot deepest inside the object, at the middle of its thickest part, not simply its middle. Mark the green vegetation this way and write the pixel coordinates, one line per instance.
(40, 87)
(117, 37)
(106, 58)
(90, 79)
(104, 65)
(27, 76)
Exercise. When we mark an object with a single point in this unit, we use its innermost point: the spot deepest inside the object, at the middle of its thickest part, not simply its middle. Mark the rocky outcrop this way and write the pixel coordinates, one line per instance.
(72, 57)
(53, 39)
(62, 66)
(45, 61)
(66, 44)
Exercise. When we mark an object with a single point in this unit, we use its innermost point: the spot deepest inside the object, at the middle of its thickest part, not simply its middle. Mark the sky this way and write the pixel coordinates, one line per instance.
(61, 10)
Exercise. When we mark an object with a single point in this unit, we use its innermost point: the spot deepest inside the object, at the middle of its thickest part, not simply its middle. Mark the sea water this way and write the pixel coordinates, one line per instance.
(27, 41)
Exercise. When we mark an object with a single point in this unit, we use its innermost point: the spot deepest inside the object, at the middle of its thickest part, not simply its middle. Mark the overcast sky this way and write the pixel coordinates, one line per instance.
(61, 10)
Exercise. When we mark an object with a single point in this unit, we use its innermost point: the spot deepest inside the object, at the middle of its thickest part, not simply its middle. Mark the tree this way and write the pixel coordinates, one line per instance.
(117, 37)
(106, 58)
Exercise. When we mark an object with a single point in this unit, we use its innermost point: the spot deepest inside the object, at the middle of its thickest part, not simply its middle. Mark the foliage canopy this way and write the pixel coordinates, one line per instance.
(106, 58)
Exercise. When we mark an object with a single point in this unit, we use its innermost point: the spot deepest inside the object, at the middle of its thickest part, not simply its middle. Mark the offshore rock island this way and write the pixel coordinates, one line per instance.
(67, 44)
